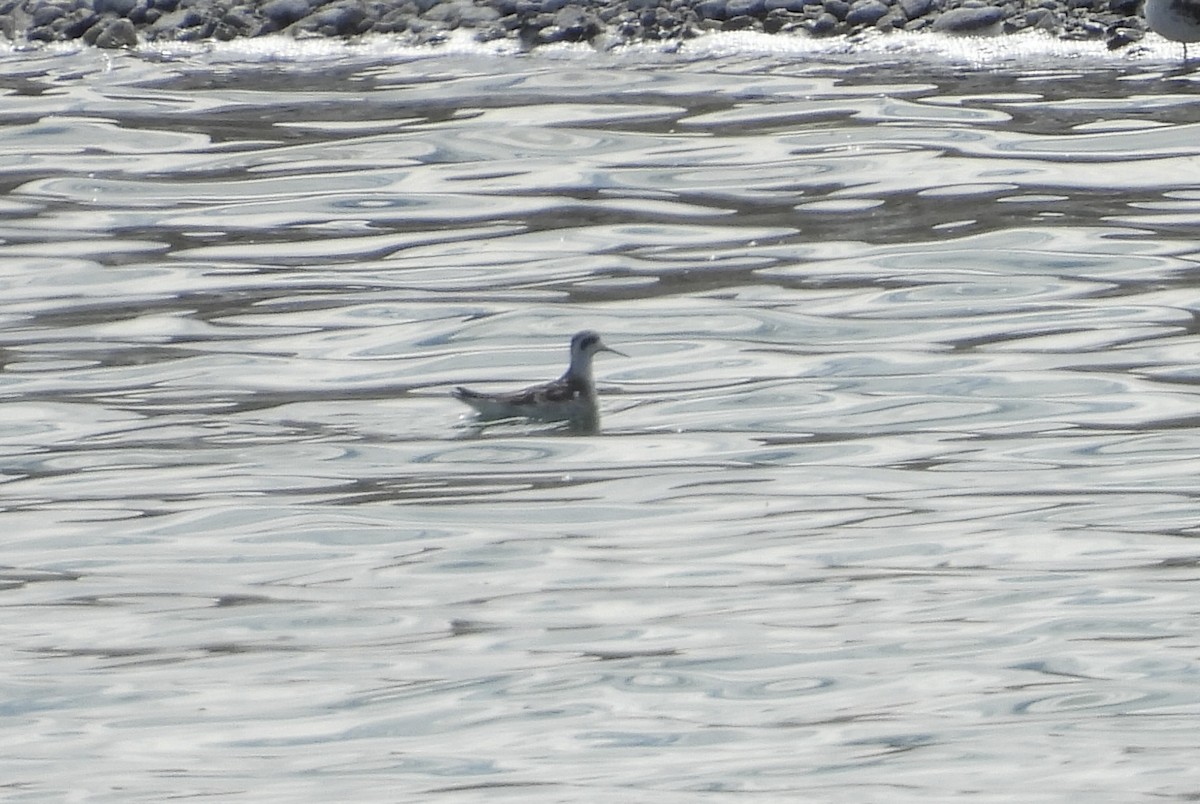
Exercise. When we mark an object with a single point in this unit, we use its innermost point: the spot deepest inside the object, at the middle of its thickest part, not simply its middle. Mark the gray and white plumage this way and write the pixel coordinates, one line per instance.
(1177, 20)
(571, 398)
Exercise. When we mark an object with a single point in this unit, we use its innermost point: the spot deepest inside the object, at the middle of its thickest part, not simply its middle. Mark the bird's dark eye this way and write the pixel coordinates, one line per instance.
(588, 341)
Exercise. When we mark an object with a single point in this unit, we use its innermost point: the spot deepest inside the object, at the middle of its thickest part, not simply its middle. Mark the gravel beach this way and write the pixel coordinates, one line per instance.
(603, 23)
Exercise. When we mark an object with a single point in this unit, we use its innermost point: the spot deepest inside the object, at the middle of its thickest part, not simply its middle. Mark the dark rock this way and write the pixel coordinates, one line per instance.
(892, 21)
(478, 15)
(604, 23)
(915, 8)
(196, 34)
(838, 8)
(240, 23)
(137, 14)
(549, 35)
(74, 24)
(286, 12)
(970, 21)
(1120, 36)
(44, 15)
(823, 25)
(394, 23)
(538, 30)
(115, 34)
(745, 8)
(340, 19)
(1087, 29)
(712, 10)
(742, 22)
(490, 33)
(1042, 19)
(866, 12)
(455, 14)
(169, 25)
(118, 7)
(512, 22)
(577, 24)
(778, 19)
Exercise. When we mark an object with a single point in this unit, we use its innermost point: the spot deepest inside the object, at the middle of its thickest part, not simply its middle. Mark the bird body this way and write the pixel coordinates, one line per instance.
(1177, 20)
(570, 398)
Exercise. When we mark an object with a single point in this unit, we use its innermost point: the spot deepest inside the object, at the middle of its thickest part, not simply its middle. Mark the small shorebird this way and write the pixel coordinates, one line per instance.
(572, 397)
(1177, 20)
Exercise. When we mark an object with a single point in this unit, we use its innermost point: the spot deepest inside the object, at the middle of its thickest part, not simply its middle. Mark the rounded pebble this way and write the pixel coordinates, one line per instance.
(866, 12)
(284, 12)
(604, 23)
(115, 34)
(118, 7)
(975, 21)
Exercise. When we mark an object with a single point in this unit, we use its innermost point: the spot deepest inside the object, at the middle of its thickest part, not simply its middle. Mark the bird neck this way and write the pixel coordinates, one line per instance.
(580, 368)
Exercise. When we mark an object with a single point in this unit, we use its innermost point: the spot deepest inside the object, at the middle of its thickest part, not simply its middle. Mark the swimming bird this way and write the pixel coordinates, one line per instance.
(1177, 20)
(571, 398)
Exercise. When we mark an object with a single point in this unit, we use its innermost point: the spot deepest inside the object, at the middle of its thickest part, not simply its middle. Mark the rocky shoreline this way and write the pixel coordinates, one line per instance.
(603, 23)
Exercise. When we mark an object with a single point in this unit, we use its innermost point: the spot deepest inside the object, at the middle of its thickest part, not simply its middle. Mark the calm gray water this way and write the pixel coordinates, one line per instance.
(895, 497)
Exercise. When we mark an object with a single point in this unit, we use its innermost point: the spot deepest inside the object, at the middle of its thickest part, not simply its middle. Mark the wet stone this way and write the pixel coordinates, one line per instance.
(779, 19)
(748, 8)
(1042, 19)
(44, 15)
(712, 10)
(338, 20)
(459, 13)
(915, 8)
(975, 21)
(866, 12)
(577, 24)
(838, 8)
(285, 12)
(824, 24)
(115, 34)
(604, 23)
(75, 23)
(118, 7)
(740, 23)
(1120, 36)
(174, 22)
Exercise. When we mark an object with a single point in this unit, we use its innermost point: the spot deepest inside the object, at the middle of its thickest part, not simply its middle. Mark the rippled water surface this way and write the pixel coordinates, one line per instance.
(895, 498)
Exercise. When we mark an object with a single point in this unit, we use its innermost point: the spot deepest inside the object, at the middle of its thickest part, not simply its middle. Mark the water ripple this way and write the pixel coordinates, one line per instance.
(896, 485)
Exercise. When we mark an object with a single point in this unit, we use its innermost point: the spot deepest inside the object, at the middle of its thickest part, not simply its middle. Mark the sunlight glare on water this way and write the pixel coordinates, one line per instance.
(893, 498)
